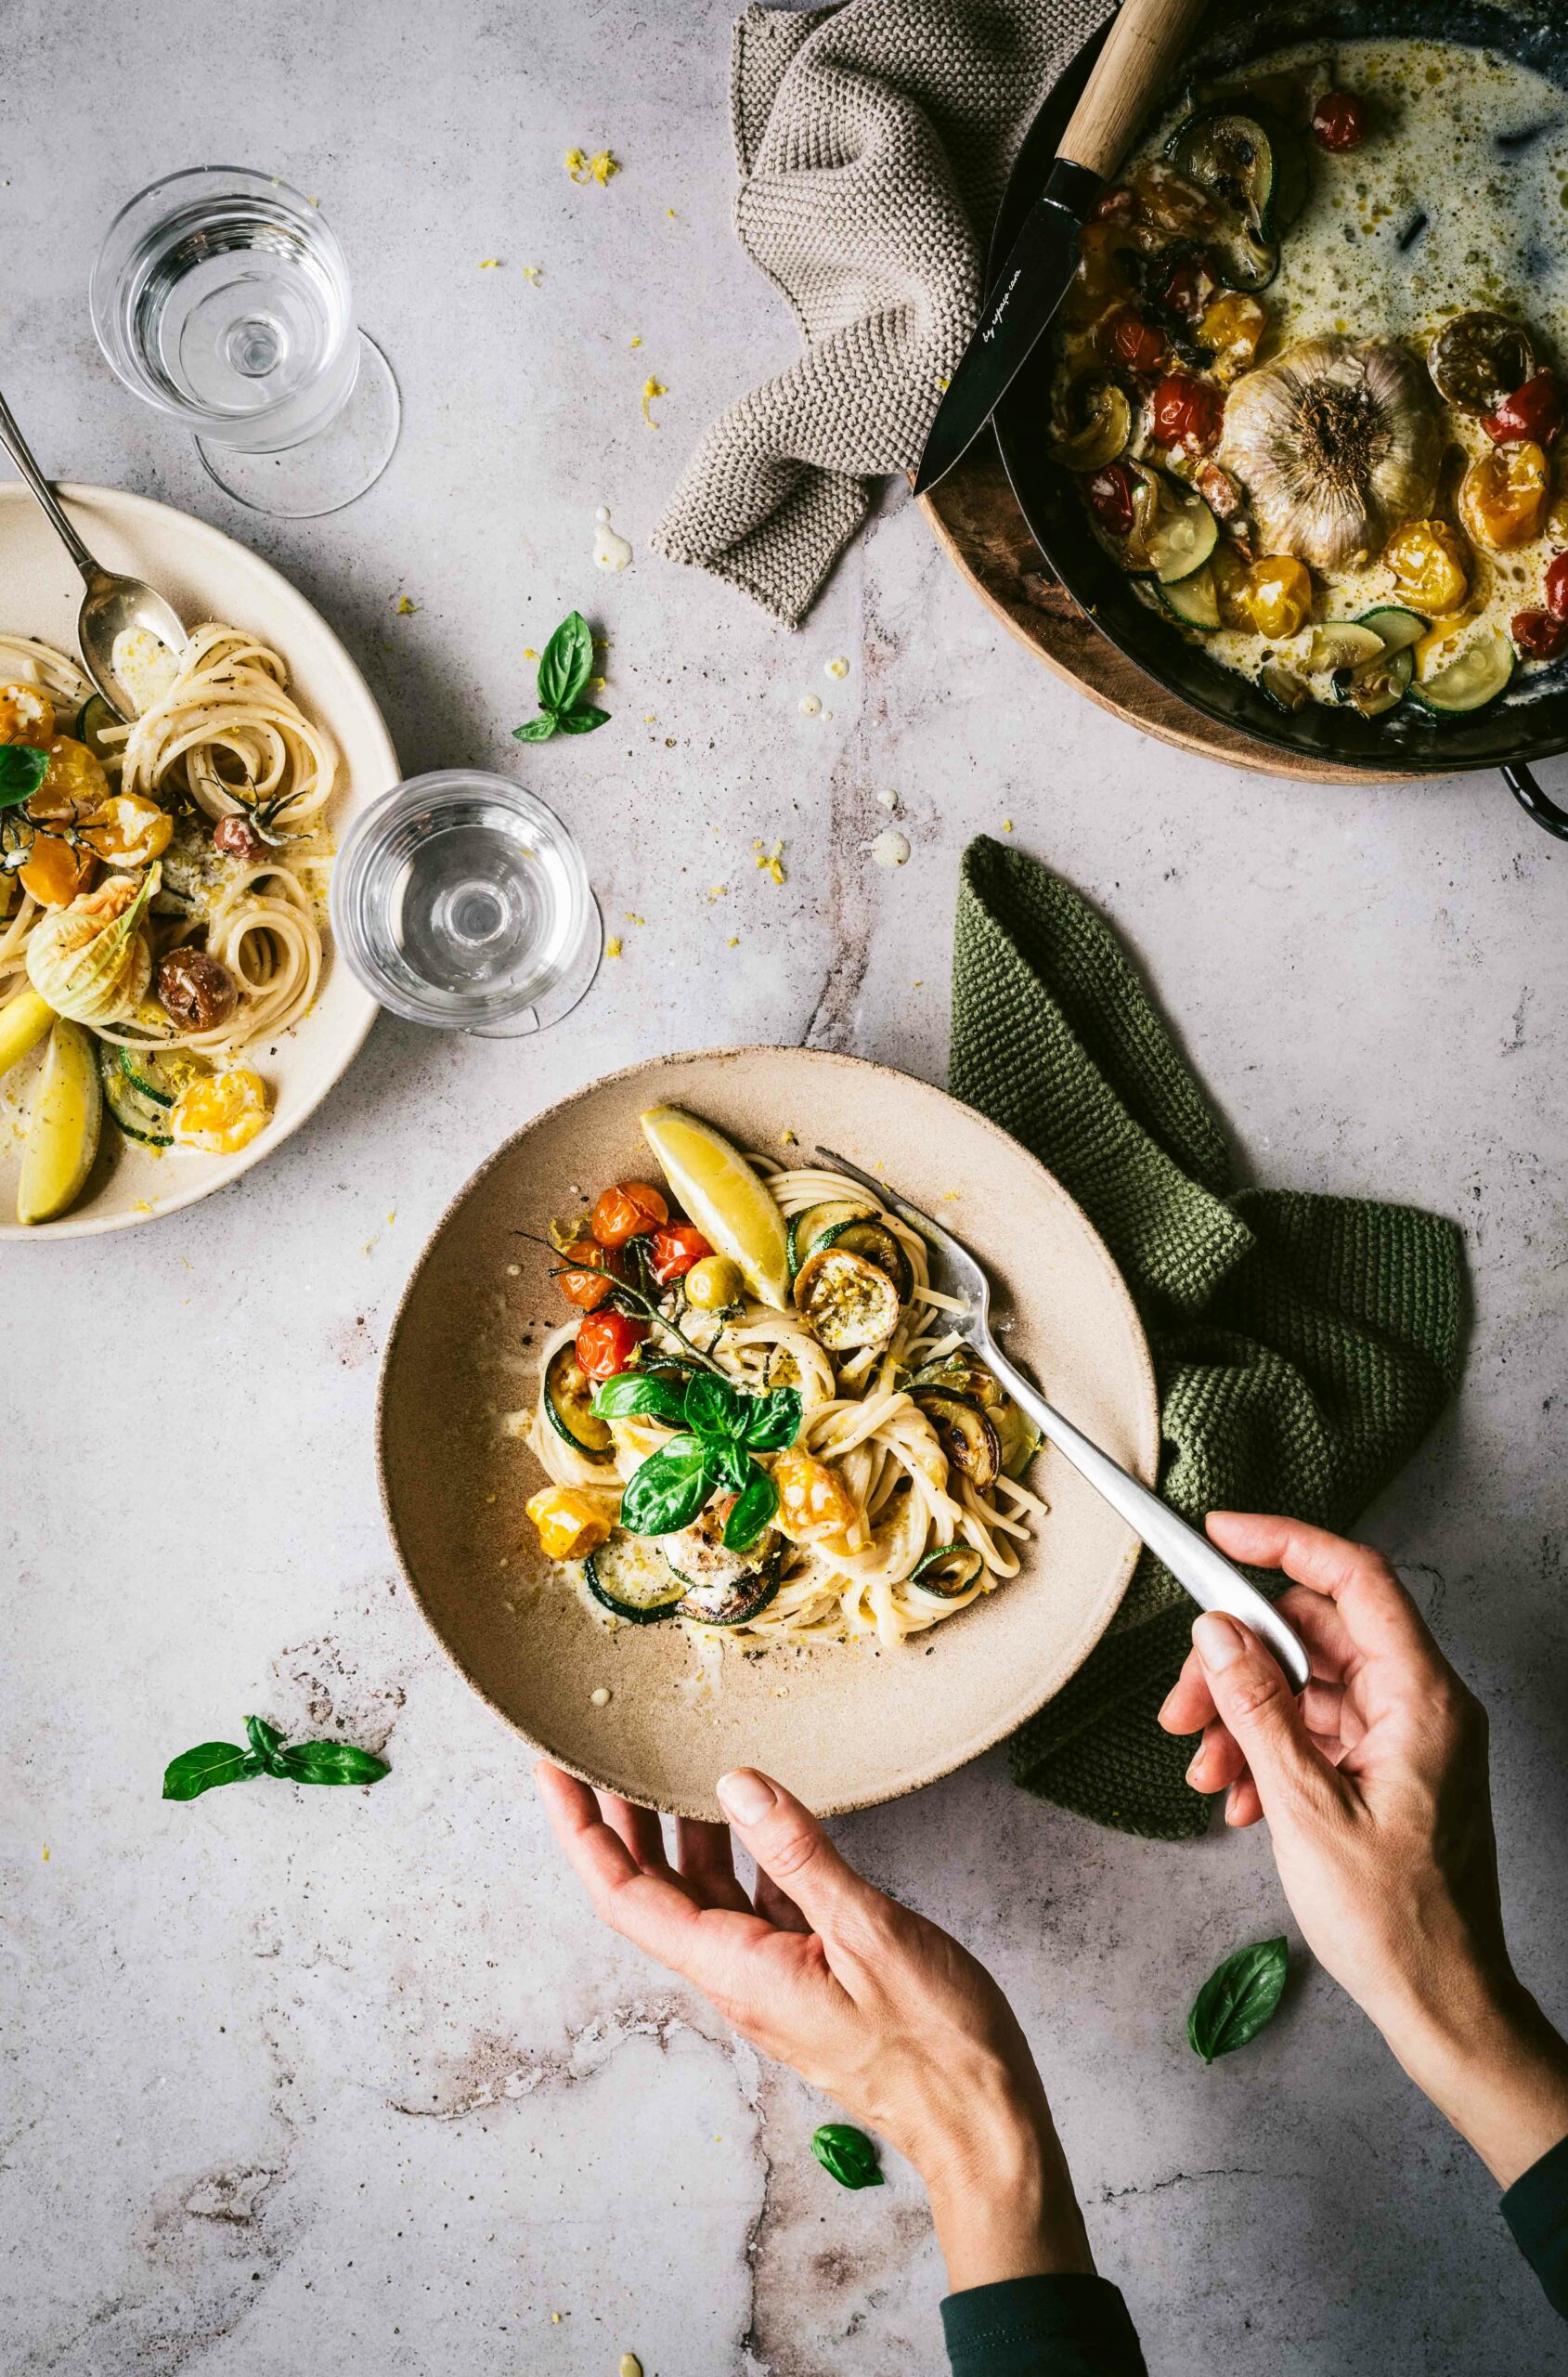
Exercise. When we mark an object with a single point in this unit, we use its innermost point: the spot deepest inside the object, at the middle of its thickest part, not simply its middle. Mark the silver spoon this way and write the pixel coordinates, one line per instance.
(111, 603)
(1194, 1561)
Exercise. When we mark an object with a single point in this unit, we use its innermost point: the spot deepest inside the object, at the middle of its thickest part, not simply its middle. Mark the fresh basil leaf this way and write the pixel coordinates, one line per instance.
(715, 1407)
(773, 1422)
(630, 1391)
(1238, 1999)
(583, 719)
(22, 770)
(733, 1465)
(667, 1490)
(267, 1743)
(203, 1768)
(331, 1762)
(848, 2153)
(539, 730)
(566, 664)
(754, 1509)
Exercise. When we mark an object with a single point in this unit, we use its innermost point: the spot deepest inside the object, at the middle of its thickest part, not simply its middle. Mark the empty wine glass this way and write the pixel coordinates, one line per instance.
(222, 297)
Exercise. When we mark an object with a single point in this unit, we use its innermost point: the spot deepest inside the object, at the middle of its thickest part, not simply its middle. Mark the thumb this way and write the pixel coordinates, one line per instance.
(791, 1846)
(1258, 1709)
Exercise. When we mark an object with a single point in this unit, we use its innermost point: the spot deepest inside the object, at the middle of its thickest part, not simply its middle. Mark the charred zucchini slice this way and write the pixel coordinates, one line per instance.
(1019, 1437)
(845, 1300)
(568, 1402)
(966, 1434)
(877, 1244)
(732, 1604)
(719, 1587)
(138, 1116)
(1478, 359)
(807, 1231)
(1254, 168)
(962, 1374)
(633, 1580)
(950, 1569)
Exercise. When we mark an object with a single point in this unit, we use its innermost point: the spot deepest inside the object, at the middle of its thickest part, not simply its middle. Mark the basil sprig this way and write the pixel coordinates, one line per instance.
(566, 666)
(22, 769)
(211, 1763)
(722, 1425)
(848, 2153)
(1238, 1999)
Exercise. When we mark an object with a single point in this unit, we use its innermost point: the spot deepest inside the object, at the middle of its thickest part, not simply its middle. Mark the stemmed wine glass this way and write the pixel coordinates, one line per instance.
(222, 297)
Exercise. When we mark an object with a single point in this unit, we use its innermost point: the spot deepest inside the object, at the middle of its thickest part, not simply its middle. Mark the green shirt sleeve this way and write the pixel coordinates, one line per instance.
(1535, 2208)
(1067, 2326)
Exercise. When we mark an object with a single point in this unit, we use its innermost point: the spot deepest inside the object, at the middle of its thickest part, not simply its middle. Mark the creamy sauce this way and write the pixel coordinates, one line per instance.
(610, 551)
(1458, 198)
(144, 665)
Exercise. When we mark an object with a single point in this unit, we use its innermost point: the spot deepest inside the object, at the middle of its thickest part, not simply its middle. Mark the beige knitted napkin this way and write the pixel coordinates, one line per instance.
(874, 143)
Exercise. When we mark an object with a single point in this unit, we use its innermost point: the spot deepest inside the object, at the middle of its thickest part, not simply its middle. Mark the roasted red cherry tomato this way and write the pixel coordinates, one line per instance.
(1189, 287)
(1339, 121)
(606, 1342)
(591, 1275)
(1114, 205)
(1533, 415)
(629, 1210)
(674, 1251)
(1557, 587)
(1110, 498)
(1188, 413)
(1538, 635)
(1136, 344)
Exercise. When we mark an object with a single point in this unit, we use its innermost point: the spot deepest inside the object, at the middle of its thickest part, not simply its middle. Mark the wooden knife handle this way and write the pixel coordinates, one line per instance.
(1144, 43)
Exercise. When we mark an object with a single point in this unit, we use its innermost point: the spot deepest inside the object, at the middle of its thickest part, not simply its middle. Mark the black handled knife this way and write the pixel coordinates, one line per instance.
(1143, 46)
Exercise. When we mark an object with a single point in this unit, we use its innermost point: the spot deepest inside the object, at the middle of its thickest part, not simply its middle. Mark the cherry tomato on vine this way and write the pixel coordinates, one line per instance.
(606, 1342)
(1533, 415)
(1538, 635)
(1339, 121)
(629, 1210)
(674, 1251)
(592, 1275)
(1188, 413)
(1191, 287)
(1110, 498)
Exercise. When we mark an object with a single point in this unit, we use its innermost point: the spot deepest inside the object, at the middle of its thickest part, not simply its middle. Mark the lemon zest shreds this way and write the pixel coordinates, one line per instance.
(582, 169)
(770, 862)
(613, 946)
(407, 606)
(652, 388)
(489, 264)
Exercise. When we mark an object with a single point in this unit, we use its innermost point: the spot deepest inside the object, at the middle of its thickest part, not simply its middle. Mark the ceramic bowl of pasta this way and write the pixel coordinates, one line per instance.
(169, 1008)
(688, 1465)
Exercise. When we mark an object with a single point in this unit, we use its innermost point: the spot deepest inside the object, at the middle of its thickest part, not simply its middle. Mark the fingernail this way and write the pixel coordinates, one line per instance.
(1159, 1713)
(1191, 1774)
(1216, 1640)
(745, 1796)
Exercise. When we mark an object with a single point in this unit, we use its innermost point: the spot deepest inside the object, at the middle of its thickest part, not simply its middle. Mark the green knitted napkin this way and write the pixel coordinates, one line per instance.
(1302, 1344)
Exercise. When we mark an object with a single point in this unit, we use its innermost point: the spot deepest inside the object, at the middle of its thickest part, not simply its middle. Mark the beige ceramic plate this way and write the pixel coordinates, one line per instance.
(842, 1727)
(206, 576)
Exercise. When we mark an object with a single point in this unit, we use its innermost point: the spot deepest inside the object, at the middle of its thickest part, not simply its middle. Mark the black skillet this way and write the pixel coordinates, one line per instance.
(1531, 722)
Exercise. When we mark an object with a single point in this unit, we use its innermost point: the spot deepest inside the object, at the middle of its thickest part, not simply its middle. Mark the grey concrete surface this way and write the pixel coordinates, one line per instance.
(298, 2082)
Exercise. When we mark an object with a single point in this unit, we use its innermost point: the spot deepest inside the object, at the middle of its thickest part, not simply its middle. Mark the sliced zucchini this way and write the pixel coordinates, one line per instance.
(91, 719)
(1398, 627)
(1097, 426)
(698, 1554)
(633, 1578)
(568, 1402)
(1480, 675)
(845, 1300)
(806, 1230)
(1478, 359)
(136, 1114)
(1284, 688)
(966, 1434)
(1019, 1437)
(1181, 535)
(877, 1244)
(732, 1604)
(1193, 600)
(160, 1078)
(1254, 167)
(949, 1570)
(1342, 643)
(1378, 685)
(962, 1374)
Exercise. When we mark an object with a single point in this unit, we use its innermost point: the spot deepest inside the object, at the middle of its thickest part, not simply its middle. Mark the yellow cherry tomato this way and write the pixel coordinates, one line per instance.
(129, 830)
(54, 872)
(1430, 565)
(1232, 328)
(568, 1523)
(1504, 497)
(75, 785)
(27, 715)
(1230, 574)
(813, 1499)
(713, 1283)
(220, 1112)
(1278, 596)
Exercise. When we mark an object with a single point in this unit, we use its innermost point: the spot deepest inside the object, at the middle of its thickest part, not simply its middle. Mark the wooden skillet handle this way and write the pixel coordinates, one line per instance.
(1143, 46)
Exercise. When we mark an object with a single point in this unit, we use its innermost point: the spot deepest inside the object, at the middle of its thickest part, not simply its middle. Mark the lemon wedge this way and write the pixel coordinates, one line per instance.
(62, 1134)
(730, 1205)
(24, 1020)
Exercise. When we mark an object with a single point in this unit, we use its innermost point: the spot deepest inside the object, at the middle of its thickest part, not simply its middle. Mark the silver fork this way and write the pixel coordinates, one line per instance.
(1211, 1580)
